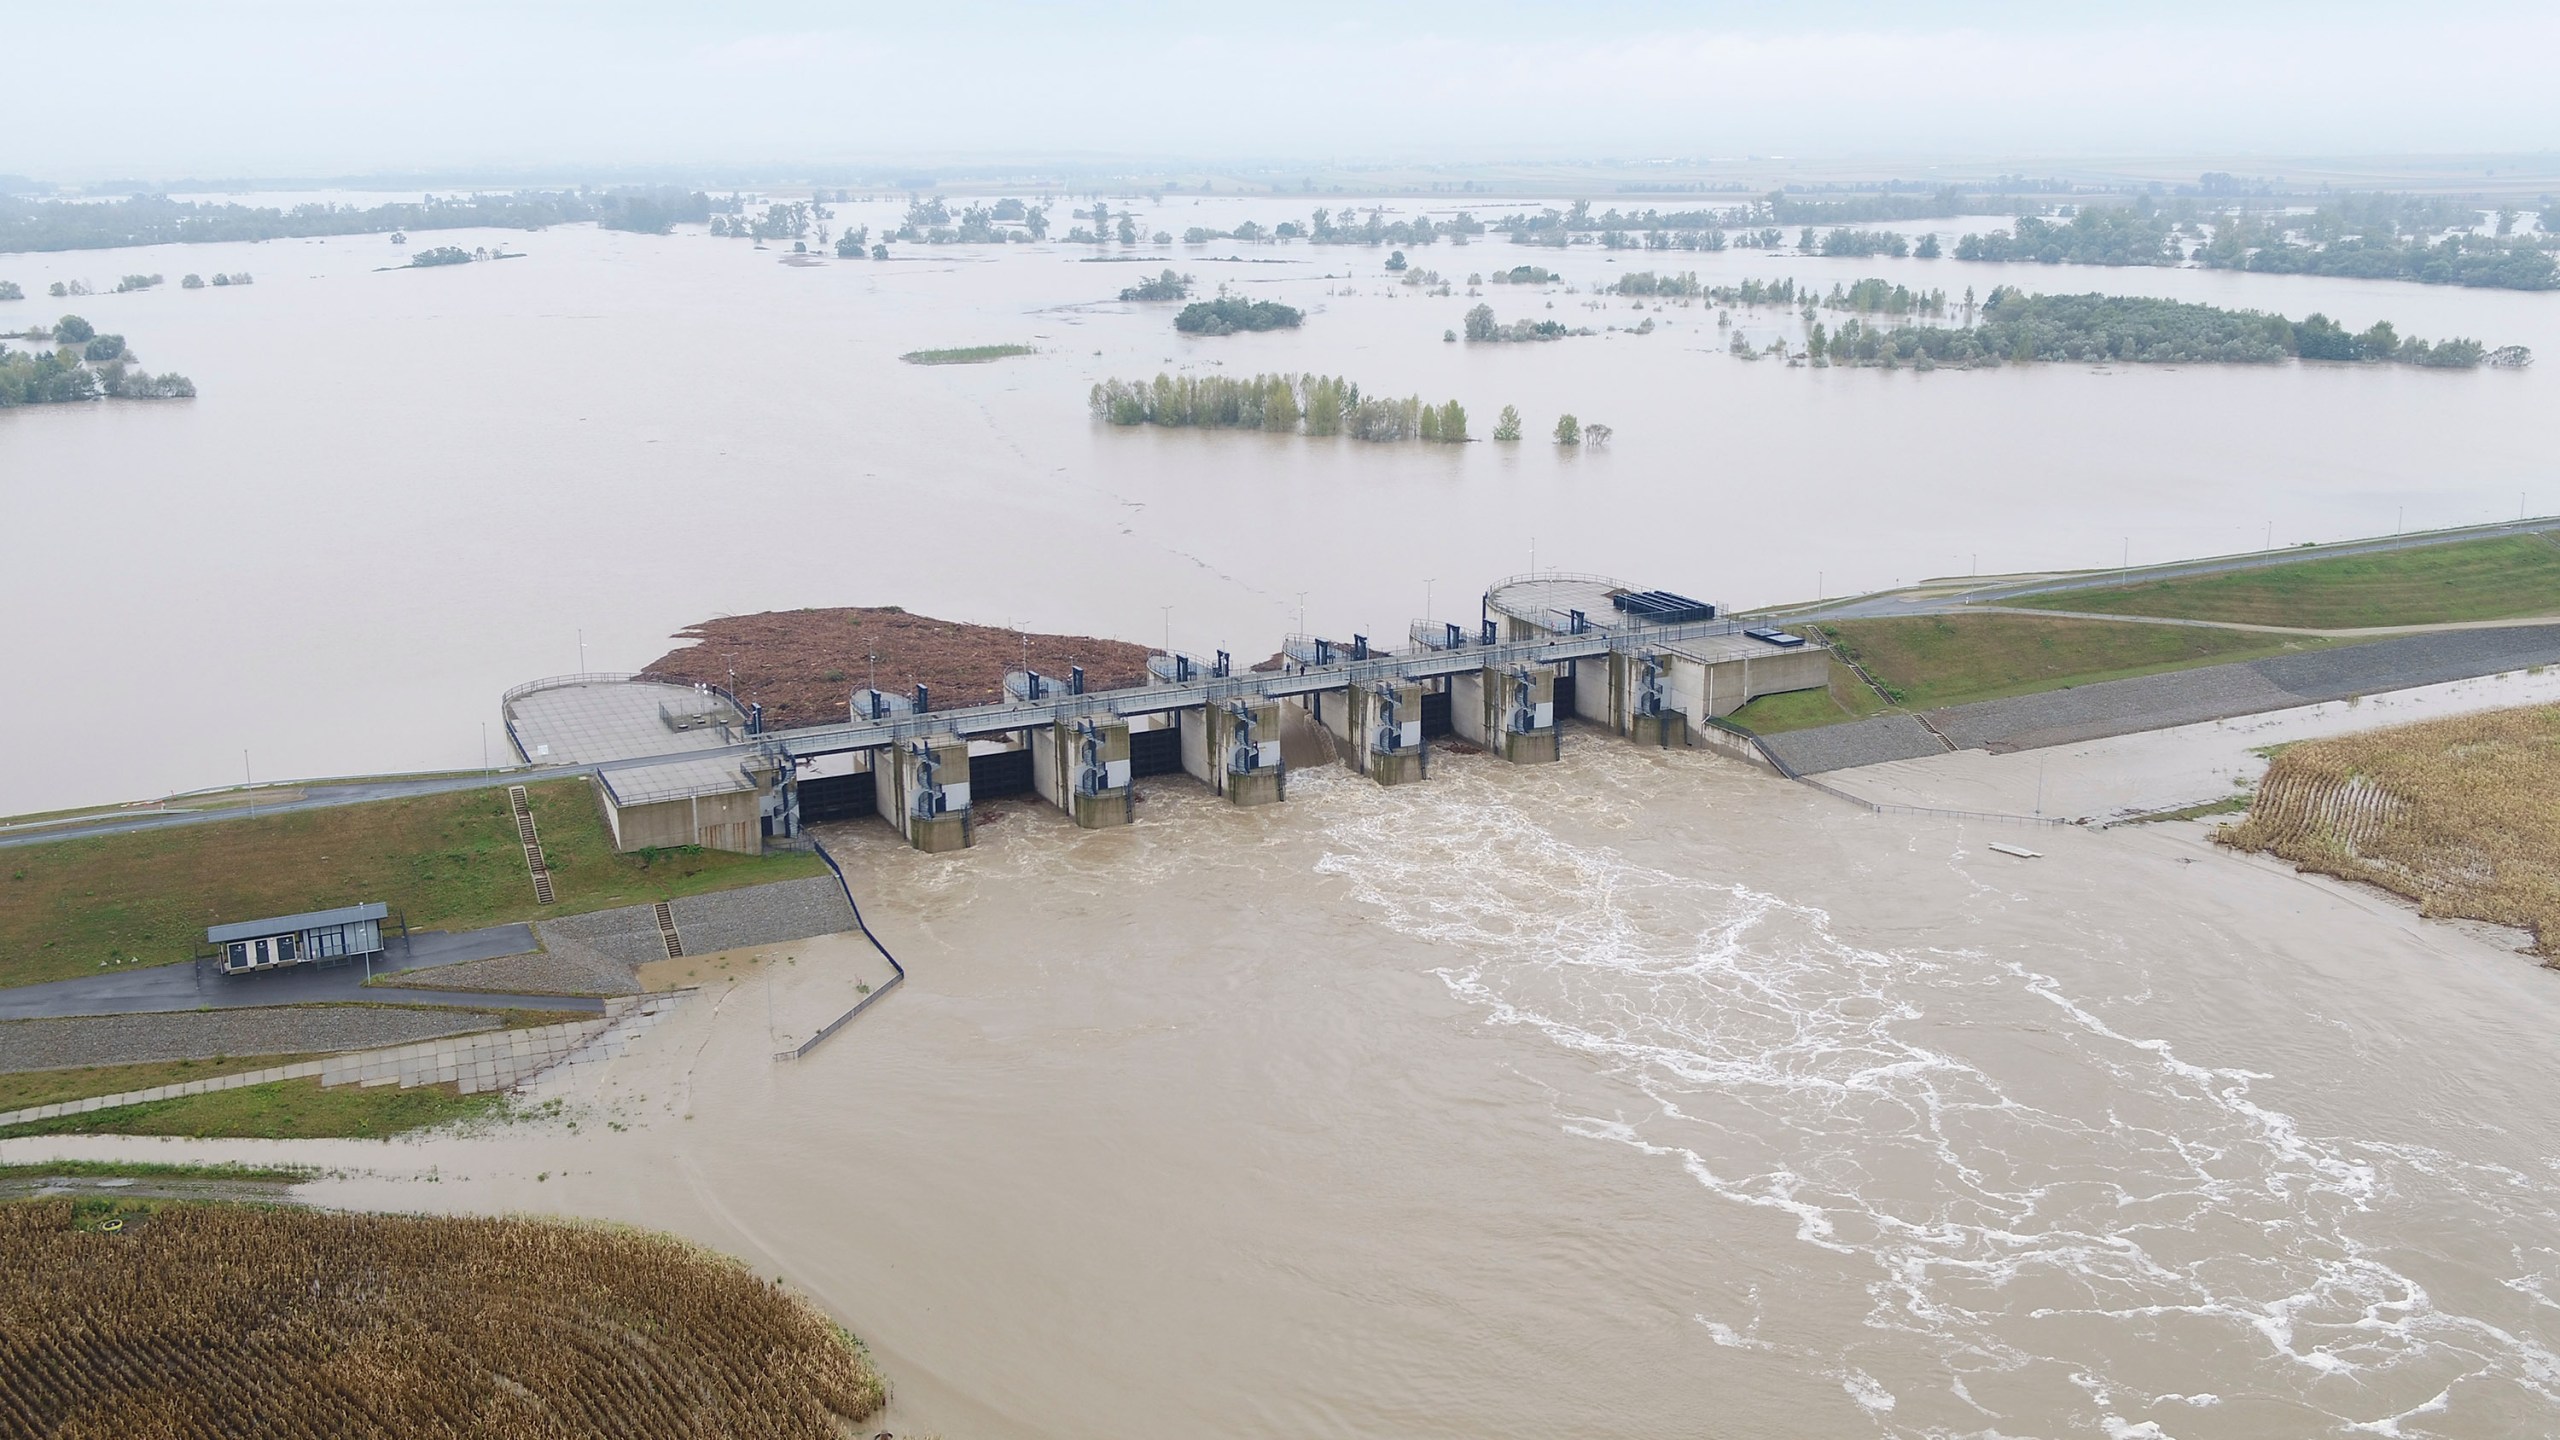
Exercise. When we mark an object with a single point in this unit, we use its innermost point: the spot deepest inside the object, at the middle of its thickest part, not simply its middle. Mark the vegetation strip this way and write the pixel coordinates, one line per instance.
(29, 1088)
(151, 1170)
(349, 1324)
(300, 1109)
(965, 355)
(1282, 404)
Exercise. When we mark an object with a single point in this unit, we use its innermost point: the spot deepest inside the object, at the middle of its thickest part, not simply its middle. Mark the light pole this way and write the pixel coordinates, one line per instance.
(582, 650)
(1426, 601)
(1168, 628)
(1302, 612)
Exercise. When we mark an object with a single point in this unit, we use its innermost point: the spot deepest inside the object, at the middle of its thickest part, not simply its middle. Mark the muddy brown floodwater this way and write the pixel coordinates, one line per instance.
(1642, 1094)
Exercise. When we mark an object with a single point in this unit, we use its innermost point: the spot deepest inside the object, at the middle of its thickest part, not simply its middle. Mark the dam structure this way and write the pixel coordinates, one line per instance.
(692, 765)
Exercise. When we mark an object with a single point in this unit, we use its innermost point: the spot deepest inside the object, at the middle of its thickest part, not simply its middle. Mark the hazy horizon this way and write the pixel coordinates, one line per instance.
(307, 89)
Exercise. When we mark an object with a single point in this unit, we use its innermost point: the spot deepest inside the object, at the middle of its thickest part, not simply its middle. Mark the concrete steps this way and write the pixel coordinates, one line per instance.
(667, 932)
(532, 843)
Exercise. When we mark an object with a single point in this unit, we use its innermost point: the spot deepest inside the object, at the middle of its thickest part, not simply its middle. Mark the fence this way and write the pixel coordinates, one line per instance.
(897, 978)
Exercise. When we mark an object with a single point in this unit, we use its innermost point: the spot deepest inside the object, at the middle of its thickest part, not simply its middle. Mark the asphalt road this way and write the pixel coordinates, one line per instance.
(316, 796)
(145, 989)
(1929, 600)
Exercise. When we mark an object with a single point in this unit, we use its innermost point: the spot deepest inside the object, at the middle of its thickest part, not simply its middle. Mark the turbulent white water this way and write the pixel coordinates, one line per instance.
(2056, 1208)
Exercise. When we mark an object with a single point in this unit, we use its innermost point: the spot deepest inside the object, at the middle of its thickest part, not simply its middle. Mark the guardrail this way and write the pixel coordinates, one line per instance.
(557, 682)
(897, 978)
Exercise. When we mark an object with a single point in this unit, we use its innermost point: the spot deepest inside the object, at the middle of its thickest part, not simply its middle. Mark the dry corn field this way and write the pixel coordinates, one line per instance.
(229, 1321)
(2461, 815)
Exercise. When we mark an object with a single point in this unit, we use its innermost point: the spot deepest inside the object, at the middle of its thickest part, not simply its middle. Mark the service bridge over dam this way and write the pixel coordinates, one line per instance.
(681, 765)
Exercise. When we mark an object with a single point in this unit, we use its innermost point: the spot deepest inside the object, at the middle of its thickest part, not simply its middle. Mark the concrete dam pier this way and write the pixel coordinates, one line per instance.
(687, 765)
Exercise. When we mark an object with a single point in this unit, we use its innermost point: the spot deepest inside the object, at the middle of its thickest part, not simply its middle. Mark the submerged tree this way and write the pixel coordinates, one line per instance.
(1507, 425)
(1568, 430)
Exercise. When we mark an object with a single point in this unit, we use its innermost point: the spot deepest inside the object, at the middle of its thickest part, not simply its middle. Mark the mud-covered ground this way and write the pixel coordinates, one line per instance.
(803, 665)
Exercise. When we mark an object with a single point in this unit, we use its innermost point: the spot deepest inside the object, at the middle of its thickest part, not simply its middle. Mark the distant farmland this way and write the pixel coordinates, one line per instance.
(2461, 815)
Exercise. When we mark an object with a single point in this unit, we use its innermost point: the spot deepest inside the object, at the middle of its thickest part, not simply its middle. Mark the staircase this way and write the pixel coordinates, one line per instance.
(667, 932)
(532, 844)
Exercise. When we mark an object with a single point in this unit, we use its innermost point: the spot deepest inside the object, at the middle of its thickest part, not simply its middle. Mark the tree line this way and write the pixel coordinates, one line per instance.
(2015, 326)
(158, 220)
(1230, 313)
(81, 365)
(2376, 237)
(1282, 404)
(1482, 326)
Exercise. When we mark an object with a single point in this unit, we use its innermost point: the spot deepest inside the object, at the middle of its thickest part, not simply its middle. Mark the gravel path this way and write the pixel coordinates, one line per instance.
(762, 914)
(208, 1034)
(1862, 742)
(570, 967)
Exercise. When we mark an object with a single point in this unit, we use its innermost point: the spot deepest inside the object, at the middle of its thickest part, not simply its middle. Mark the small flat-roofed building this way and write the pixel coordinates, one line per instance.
(713, 802)
(349, 932)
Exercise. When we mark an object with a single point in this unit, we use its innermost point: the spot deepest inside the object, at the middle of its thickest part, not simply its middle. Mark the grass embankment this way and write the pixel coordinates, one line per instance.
(1846, 698)
(289, 1321)
(2502, 578)
(1937, 660)
(445, 861)
(965, 355)
(2461, 815)
(285, 1110)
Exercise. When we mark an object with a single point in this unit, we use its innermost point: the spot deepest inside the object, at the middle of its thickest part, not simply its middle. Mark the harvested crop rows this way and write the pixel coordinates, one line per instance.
(224, 1321)
(2461, 815)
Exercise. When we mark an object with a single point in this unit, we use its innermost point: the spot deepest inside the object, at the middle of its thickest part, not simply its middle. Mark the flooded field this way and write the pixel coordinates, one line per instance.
(400, 493)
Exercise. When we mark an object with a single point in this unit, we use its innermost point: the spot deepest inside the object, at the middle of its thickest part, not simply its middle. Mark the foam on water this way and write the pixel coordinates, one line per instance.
(2049, 1230)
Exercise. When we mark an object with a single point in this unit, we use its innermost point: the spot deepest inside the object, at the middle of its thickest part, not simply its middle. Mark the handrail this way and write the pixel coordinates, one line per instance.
(895, 980)
(559, 682)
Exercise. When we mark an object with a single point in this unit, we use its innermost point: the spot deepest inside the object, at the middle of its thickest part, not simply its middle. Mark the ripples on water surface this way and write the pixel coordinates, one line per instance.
(2051, 1211)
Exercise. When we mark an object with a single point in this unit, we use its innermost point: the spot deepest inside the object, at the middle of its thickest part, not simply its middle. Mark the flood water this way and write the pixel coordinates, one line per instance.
(401, 493)
(1638, 1095)
(1642, 1094)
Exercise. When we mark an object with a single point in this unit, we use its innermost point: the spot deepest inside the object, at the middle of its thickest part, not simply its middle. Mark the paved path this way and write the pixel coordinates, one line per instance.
(313, 796)
(1939, 597)
(200, 986)
(492, 1060)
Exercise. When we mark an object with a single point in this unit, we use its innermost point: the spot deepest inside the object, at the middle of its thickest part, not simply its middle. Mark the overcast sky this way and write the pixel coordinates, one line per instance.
(150, 89)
